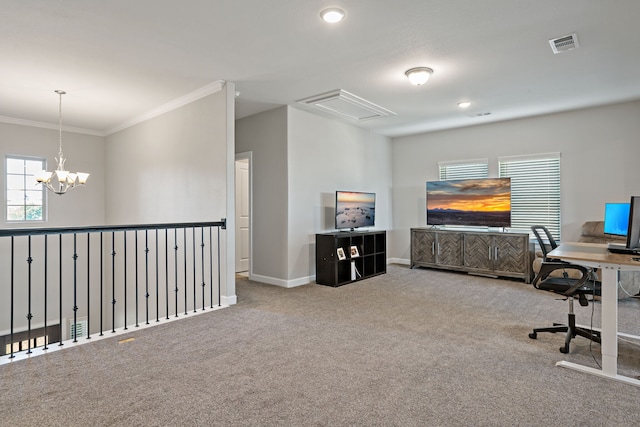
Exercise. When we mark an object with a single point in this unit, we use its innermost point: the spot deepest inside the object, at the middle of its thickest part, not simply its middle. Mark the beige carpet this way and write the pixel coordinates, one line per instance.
(409, 348)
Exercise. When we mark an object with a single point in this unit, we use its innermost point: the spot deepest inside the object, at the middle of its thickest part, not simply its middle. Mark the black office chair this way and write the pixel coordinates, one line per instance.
(545, 240)
(569, 287)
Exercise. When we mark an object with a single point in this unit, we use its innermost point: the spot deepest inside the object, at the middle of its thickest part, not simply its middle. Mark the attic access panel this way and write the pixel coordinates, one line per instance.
(347, 105)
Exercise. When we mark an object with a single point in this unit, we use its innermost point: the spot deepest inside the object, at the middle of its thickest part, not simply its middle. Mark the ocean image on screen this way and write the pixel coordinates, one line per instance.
(355, 210)
(472, 202)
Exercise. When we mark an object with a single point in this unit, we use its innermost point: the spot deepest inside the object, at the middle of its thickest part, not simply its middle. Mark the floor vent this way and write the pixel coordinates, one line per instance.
(564, 43)
(79, 327)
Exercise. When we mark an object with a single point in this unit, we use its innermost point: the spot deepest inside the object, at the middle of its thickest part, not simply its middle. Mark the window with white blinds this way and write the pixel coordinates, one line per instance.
(464, 169)
(535, 191)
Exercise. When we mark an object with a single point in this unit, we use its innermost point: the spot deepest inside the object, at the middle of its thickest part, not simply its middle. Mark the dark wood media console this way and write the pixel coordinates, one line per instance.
(371, 258)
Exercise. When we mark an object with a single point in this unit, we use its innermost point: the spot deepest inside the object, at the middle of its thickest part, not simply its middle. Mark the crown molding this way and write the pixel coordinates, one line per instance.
(209, 89)
(32, 123)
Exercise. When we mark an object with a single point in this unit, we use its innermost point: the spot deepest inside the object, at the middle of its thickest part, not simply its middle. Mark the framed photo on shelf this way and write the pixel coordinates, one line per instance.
(354, 252)
(341, 254)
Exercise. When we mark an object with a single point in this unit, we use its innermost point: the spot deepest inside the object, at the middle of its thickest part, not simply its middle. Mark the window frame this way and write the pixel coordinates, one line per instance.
(25, 176)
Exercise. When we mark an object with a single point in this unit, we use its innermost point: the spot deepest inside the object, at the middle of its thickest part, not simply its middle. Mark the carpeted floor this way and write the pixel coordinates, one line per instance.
(409, 348)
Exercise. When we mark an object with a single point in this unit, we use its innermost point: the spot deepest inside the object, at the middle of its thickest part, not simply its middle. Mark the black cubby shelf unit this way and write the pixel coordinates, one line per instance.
(371, 258)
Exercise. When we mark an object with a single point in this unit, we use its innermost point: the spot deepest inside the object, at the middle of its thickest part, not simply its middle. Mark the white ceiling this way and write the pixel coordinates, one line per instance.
(121, 59)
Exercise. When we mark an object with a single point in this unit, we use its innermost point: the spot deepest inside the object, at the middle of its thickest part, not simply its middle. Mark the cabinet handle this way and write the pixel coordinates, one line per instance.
(495, 253)
(433, 248)
(489, 247)
(438, 248)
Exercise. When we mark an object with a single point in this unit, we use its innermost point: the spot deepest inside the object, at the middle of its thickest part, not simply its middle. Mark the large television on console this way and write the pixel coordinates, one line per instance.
(616, 218)
(470, 202)
(355, 209)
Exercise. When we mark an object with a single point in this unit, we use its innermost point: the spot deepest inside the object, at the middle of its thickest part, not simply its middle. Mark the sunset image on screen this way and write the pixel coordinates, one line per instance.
(354, 209)
(469, 202)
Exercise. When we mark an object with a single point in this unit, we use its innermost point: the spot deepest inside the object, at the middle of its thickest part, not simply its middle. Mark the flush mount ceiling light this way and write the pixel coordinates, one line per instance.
(464, 104)
(332, 15)
(418, 75)
(62, 180)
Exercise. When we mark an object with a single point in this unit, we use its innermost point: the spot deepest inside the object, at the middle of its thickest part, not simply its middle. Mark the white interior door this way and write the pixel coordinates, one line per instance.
(242, 216)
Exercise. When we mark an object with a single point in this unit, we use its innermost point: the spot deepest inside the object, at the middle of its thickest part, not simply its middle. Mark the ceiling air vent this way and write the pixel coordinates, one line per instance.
(346, 105)
(564, 43)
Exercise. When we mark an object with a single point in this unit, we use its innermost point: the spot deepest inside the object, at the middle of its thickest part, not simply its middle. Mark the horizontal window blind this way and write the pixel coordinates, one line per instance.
(463, 169)
(535, 191)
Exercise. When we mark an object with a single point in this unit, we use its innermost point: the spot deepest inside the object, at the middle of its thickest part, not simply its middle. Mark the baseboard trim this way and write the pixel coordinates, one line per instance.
(228, 300)
(282, 283)
(401, 261)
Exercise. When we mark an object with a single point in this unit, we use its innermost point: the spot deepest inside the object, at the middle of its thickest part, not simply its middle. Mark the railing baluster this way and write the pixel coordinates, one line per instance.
(101, 284)
(60, 290)
(157, 282)
(11, 356)
(202, 266)
(219, 297)
(166, 271)
(193, 243)
(175, 247)
(75, 288)
(185, 269)
(29, 314)
(146, 252)
(113, 282)
(46, 280)
(124, 284)
(211, 264)
(137, 292)
(88, 286)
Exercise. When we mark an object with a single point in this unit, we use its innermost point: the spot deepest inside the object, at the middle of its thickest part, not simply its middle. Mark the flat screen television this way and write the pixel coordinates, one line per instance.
(616, 218)
(355, 209)
(470, 202)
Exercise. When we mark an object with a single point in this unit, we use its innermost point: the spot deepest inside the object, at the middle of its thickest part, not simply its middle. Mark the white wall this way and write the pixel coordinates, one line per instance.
(599, 147)
(325, 155)
(171, 168)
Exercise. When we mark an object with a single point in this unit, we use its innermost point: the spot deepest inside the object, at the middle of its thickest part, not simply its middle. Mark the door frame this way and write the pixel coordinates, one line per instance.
(249, 157)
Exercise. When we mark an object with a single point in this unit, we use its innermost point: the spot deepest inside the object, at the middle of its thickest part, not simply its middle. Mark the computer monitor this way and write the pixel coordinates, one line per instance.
(633, 235)
(616, 219)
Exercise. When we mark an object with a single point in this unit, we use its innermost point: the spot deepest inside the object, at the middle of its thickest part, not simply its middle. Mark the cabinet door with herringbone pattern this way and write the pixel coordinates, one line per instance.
(477, 251)
(422, 247)
(449, 249)
(511, 254)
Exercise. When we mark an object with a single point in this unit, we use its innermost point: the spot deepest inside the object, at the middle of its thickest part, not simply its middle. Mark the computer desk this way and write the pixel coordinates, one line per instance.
(597, 256)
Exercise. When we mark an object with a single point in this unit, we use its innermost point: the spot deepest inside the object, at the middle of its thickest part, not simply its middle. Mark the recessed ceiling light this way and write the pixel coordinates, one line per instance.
(464, 104)
(332, 15)
(418, 75)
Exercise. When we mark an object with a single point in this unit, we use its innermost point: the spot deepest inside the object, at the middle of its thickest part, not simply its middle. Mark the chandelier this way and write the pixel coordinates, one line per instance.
(61, 180)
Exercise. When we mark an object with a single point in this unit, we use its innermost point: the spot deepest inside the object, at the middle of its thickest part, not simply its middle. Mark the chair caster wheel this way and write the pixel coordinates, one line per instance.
(533, 335)
(564, 350)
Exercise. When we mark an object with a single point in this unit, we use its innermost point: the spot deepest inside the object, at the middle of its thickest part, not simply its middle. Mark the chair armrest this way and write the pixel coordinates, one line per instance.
(546, 268)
